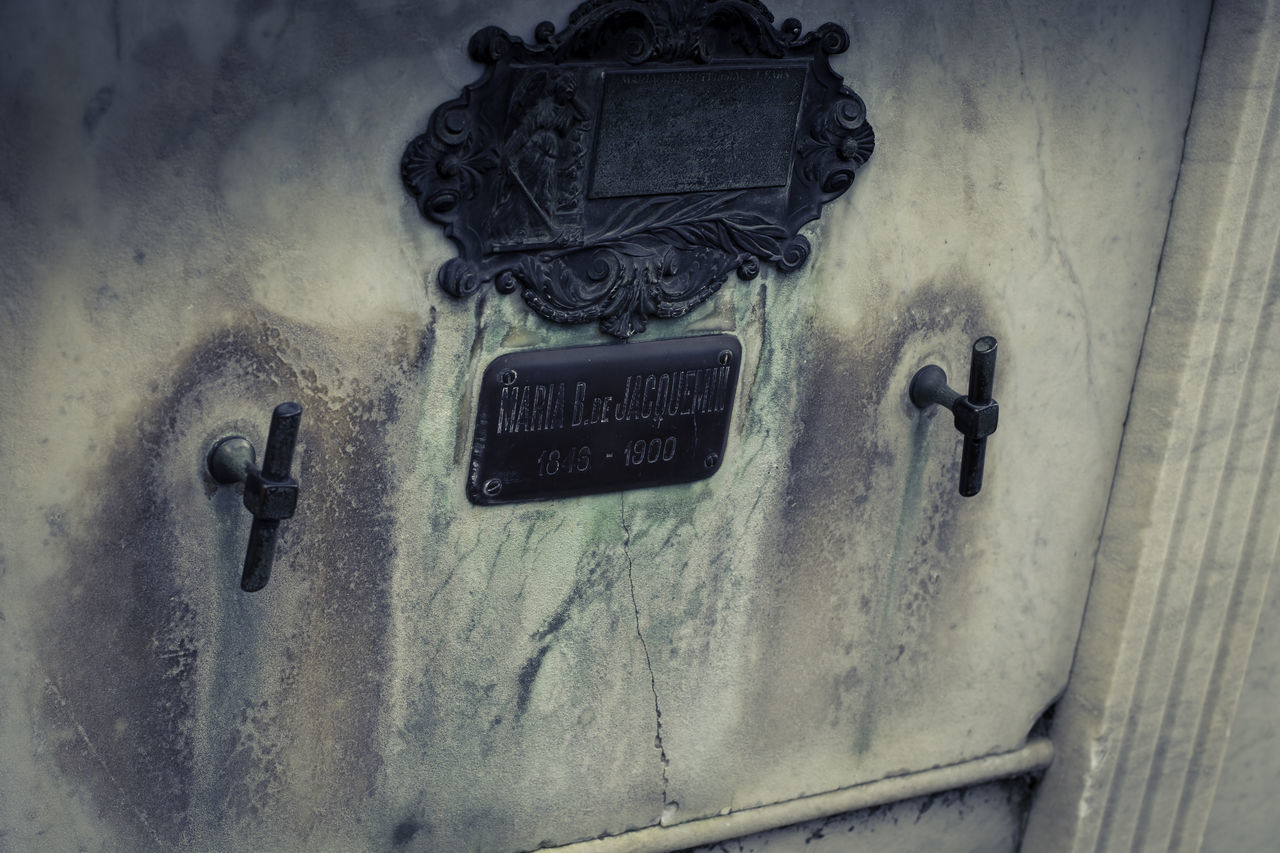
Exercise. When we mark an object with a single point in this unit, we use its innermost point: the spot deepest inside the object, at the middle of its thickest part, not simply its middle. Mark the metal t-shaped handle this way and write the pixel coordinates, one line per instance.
(269, 492)
(975, 415)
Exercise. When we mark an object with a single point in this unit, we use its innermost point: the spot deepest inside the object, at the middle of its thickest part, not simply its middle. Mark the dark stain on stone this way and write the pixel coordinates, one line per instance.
(529, 674)
(847, 477)
(404, 832)
(842, 445)
(137, 622)
(482, 328)
(252, 8)
(561, 616)
(557, 620)
(97, 107)
(56, 520)
(182, 109)
(115, 28)
(971, 116)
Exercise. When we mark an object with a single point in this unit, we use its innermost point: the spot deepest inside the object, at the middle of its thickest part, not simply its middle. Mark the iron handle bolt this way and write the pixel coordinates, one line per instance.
(975, 414)
(270, 494)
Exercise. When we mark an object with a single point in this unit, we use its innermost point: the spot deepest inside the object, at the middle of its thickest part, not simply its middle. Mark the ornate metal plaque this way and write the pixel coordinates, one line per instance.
(622, 168)
(558, 422)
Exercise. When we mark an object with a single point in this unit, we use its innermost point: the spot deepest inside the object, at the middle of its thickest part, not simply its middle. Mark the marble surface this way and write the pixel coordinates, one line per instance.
(1165, 690)
(202, 217)
(1242, 816)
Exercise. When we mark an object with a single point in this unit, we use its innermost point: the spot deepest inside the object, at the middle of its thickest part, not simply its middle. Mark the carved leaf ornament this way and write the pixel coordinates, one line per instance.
(622, 168)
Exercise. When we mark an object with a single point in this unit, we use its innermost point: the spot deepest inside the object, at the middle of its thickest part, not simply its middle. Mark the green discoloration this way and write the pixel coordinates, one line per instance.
(227, 230)
(908, 519)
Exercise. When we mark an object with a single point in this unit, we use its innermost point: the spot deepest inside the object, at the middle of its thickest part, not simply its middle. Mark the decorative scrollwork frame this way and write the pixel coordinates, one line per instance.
(515, 171)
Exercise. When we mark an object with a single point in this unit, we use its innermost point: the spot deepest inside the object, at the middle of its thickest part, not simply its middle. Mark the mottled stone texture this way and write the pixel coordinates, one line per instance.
(1167, 724)
(202, 217)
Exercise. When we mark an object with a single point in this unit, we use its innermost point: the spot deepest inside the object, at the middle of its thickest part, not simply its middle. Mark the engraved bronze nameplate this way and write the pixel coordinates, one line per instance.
(621, 168)
(696, 130)
(581, 420)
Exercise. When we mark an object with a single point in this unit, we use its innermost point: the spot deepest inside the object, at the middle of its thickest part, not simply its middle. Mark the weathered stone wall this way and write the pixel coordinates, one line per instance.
(202, 217)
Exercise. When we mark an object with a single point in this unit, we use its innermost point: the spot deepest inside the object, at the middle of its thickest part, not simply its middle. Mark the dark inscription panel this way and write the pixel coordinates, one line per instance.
(690, 131)
(614, 172)
(582, 420)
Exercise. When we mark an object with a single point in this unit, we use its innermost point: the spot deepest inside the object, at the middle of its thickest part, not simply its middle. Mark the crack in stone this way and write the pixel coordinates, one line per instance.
(64, 705)
(653, 683)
